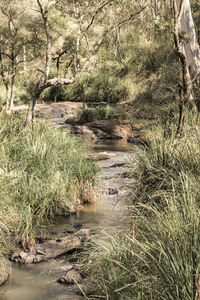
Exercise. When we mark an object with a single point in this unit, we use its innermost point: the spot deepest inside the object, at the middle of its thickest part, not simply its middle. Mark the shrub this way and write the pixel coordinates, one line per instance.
(86, 115)
(103, 87)
(94, 87)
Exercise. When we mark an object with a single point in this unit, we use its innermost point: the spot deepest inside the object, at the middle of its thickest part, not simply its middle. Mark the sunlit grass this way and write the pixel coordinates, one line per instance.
(41, 175)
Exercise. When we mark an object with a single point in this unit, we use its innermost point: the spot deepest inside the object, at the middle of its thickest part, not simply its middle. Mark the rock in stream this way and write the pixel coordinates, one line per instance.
(51, 248)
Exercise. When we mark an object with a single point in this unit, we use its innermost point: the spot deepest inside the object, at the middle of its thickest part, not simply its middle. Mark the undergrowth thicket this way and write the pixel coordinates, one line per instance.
(91, 114)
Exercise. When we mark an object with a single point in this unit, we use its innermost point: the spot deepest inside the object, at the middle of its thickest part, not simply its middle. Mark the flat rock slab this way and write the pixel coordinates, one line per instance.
(102, 129)
(51, 248)
(117, 172)
(54, 110)
(120, 159)
(101, 156)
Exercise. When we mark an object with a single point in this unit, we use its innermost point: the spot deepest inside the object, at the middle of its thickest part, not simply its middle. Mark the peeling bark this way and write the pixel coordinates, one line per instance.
(191, 46)
(188, 59)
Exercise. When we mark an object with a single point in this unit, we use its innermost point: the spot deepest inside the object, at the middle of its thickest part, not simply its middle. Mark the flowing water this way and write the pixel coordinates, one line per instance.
(39, 281)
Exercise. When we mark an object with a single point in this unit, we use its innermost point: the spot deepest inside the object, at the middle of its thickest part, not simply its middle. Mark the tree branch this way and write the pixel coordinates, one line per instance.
(118, 25)
(96, 13)
(54, 82)
(5, 54)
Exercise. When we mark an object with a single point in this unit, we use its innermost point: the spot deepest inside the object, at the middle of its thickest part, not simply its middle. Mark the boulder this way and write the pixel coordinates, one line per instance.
(114, 128)
(72, 276)
(103, 129)
(112, 191)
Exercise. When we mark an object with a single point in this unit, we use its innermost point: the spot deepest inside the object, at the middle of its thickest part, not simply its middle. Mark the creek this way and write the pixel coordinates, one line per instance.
(39, 281)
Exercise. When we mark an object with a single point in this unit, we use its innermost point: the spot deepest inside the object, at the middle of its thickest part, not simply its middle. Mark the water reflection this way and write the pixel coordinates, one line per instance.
(110, 145)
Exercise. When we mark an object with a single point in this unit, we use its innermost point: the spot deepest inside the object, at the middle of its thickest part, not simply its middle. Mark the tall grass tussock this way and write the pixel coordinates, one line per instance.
(41, 175)
(160, 257)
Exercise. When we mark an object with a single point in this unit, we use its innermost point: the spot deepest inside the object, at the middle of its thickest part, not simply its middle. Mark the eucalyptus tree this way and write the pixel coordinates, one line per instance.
(189, 53)
(11, 43)
(18, 40)
(87, 24)
(190, 45)
(186, 45)
(44, 8)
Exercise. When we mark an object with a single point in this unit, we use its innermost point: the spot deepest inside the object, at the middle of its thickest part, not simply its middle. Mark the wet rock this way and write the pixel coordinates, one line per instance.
(119, 160)
(42, 239)
(136, 141)
(17, 255)
(111, 173)
(71, 277)
(102, 129)
(66, 213)
(58, 240)
(30, 258)
(37, 259)
(68, 231)
(112, 191)
(51, 248)
(56, 113)
(72, 212)
(113, 127)
(54, 232)
(77, 225)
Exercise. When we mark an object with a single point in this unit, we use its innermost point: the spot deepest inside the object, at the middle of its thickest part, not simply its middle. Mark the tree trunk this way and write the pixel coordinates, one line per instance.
(24, 58)
(152, 27)
(43, 83)
(191, 46)
(30, 112)
(5, 81)
(181, 115)
(39, 88)
(10, 100)
(7, 95)
(78, 40)
(12, 94)
(44, 11)
(188, 74)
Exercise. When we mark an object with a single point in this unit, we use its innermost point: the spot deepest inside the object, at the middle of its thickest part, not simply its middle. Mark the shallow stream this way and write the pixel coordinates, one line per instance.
(39, 281)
